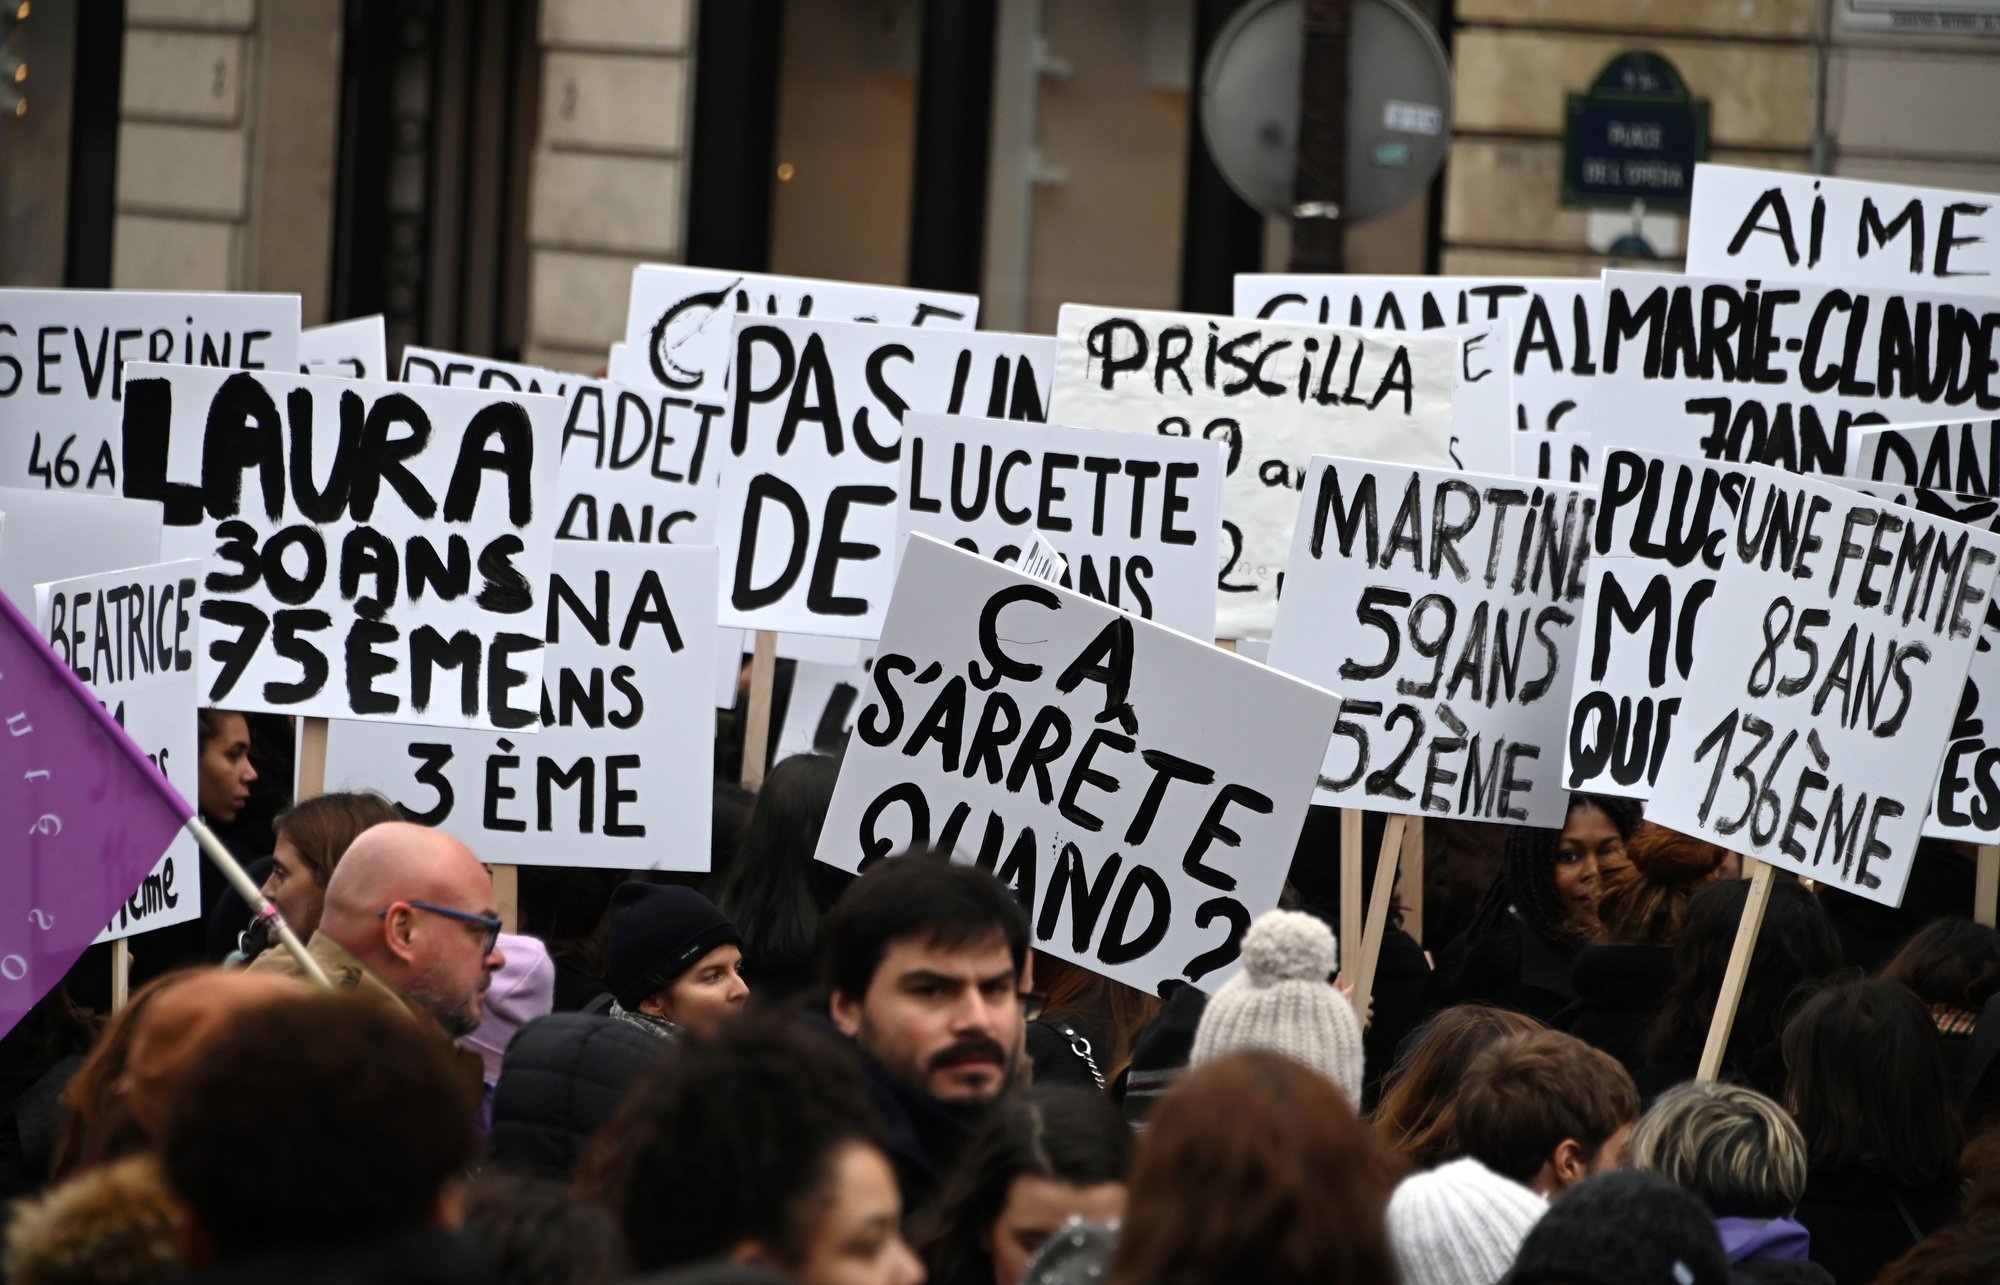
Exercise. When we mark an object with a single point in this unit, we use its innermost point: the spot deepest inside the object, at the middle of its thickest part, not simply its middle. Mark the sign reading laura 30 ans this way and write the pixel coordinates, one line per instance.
(1140, 790)
(1137, 518)
(815, 443)
(132, 638)
(62, 368)
(373, 550)
(1443, 607)
(1820, 697)
(1275, 394)
(621, 772)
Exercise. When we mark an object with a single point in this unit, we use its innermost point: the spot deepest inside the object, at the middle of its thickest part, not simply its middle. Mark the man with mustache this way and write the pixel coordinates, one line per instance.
(409, 922)
(926, 963)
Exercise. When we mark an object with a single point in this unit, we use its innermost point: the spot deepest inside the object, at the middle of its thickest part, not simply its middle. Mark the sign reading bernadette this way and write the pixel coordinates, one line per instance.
(1140, 790)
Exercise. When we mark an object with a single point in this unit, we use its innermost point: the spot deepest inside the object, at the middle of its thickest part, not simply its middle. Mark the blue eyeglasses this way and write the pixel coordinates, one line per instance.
(491, 923)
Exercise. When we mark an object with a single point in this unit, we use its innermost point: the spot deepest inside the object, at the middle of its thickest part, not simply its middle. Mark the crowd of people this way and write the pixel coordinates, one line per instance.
(777, 1071)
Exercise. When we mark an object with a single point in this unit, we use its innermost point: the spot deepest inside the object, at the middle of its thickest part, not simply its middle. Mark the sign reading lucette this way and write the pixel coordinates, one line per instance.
(373, 550)
(1141, 791)
(1275, 395)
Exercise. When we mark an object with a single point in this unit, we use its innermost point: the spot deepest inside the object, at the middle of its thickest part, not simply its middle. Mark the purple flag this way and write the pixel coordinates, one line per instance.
(83, 816)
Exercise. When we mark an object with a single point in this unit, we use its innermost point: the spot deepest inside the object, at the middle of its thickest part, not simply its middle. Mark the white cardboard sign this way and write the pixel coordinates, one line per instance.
(357, 349)
(621, 773)
(1785, 373)
(132, 637)
(824, 702)
(374, 549)
(1136, 518)
(1140, 790)
(1819, 701)
(1561, 456)
(810, 478)
(1275, 395)
(1961, 457)
(1443, 607)
(62, 535)
(62, 359)
(1844, 232)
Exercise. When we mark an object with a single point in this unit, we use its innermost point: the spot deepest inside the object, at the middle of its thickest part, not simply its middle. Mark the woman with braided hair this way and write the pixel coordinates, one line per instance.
(1540, 911)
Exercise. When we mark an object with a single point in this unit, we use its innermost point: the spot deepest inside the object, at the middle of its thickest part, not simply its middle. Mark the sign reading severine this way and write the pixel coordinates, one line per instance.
(1275, 395)
(1443, 608)
(374, 550)
(62, 359)
(1137, 518)
(815, 441)
(130, 636)
(1141, 791)
(1771, 373)
(1848, 232)
(620, 774)
(1815, 708)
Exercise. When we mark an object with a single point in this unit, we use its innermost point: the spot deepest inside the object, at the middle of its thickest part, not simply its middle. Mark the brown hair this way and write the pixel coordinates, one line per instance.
(1415, 1115)
(96, 1127)
(1254, 1168)
(1526, 1094)
(1642, 900)
(321, 827)
(1072, 991)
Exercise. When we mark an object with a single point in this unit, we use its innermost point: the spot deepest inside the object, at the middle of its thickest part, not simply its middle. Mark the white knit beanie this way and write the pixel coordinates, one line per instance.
(1460, 1224)
(1282, 1001)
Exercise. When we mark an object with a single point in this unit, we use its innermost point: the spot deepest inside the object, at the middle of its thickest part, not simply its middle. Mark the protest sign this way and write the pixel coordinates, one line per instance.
(678, 322)
(634, 459)
(1560, 456)
(1443, 608)
(357, 349)
(1140, 790)
(1136, 517)
(62, 359)
(374, 549)
(1552, 327)
(1815, 711)
(815, 443)
(1963, 457)
(60, 535)
(1785, 374)
(824, 702)
(1846, 232)
(1275, 395)
(621, 774)
(131, 637)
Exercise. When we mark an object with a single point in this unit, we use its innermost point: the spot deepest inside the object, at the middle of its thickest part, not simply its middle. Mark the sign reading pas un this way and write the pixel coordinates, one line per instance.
(374, 550)
(1140, 790)
(62, 360)
(1818, 703)
(815, 444)
(1275, 395)
(1443, 608)
(620, 774)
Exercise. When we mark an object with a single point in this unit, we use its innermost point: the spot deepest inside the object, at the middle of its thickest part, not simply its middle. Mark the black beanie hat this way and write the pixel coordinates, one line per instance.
(1626, 1228)
(658, 932)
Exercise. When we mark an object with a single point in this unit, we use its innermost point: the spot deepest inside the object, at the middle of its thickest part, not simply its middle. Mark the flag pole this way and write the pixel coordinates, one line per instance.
(234, 874)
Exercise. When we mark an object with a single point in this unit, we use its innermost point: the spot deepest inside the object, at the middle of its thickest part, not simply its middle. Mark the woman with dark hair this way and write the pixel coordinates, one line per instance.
(1795, 948)
(1865, 1078)
(1045, 1155)
(1415, 1115)
(1522, 944)
(1254, 1168)
(1953, 965)
(775, 893)
(224, 772)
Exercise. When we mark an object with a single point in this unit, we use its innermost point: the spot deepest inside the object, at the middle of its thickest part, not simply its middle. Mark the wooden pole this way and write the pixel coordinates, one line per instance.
(1410, 879)
(1393, 831)
(1986, 893)
(312, 760)
(1351, 904)
(1227, 644)
(1734, 975)
(121, 973)
(507, 896)
(757, 719)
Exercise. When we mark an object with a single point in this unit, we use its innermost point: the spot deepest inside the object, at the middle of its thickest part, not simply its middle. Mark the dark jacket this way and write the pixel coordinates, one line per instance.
(1511, 966)
(1406, 996)
(1619, 990)
(924, 1135)
(424, 1256)
(1779, 1271)
(563, 1076)
(1860, 1223)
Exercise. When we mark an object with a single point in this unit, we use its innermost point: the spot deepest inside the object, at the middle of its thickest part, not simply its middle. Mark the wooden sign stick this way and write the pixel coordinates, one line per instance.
(507, 897)
(757, 719)
(1410, 879)
(1351, 904)
(312, 760)
(121, 973)
(1734, 975)
(1394, 829)
(1986, 892)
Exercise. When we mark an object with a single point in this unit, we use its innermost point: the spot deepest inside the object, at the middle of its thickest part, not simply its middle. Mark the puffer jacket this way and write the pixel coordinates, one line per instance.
(563, 1076)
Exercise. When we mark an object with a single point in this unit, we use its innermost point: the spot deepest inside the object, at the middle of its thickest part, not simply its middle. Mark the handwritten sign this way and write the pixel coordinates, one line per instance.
(355, 349)
(1963, 457)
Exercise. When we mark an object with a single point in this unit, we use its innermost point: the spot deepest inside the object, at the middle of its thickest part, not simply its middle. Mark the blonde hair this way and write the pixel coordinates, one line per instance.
(1737, 1150)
